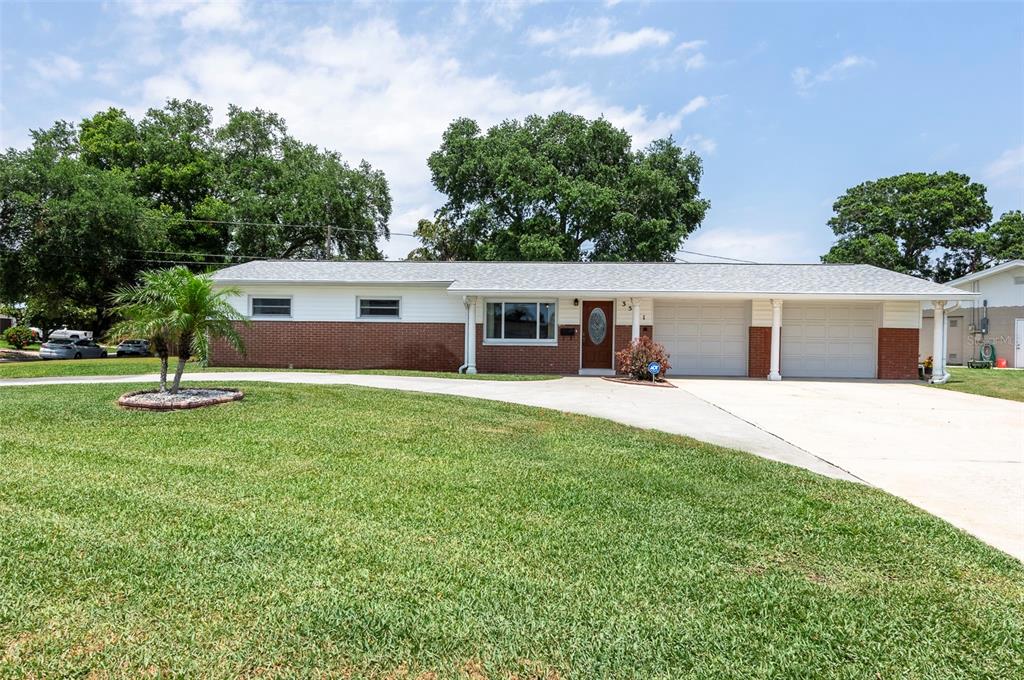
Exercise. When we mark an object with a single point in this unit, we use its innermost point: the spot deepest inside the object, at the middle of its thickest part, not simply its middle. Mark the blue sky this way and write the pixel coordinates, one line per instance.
(788, 104)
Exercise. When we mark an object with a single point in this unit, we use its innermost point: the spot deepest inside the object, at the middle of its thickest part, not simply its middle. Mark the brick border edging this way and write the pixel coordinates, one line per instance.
(236, 395)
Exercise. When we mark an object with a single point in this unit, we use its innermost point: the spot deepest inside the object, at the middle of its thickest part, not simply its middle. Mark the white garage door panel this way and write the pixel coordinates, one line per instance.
(703, 338)
(829, 341)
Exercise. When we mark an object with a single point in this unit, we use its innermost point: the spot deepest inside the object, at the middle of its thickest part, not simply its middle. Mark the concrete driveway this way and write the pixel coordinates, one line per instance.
(958, 456)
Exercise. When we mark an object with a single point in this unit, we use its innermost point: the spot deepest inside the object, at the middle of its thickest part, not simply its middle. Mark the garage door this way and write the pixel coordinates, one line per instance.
(703, 338)
(829, 341)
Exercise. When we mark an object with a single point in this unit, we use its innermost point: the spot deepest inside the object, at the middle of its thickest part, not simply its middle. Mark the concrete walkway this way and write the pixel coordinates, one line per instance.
(956, 455)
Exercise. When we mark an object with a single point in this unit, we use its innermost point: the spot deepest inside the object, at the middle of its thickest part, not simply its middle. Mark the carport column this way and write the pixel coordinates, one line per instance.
(774, 373)
(939, 343)
(636, 318)
(471, 337)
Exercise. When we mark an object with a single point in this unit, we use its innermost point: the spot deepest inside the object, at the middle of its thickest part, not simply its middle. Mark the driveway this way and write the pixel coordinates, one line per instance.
(958, 456)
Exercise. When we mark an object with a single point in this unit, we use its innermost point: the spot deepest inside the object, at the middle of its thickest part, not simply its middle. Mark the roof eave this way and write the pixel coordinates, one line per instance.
(736, 295)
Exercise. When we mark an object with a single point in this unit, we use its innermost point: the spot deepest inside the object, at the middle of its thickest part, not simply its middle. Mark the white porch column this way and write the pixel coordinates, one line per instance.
(471, 337)
(636, 318)
(939, 374)
(774, 373)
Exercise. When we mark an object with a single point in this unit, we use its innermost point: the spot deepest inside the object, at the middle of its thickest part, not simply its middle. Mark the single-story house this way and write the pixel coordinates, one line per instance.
(757, 320)
(995, 317)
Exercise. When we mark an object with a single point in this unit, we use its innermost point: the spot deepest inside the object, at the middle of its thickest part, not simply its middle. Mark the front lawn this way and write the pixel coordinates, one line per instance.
(989, 382)
(349, 532)
(141, 365)
(31, 347)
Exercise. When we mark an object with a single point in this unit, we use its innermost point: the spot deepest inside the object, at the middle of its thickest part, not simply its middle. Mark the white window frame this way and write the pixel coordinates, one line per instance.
(270, 296)
(542, 342)
(371, 317)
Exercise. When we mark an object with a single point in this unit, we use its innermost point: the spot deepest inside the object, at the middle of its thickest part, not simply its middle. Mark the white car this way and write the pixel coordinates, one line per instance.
(68, 334)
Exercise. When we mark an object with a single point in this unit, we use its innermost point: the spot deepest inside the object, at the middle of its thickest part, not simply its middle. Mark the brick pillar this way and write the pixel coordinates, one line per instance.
(759, 352)
(898, 353)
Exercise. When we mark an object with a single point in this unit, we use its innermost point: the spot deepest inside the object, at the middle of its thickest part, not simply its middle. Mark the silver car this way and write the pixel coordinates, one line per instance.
(66, 348)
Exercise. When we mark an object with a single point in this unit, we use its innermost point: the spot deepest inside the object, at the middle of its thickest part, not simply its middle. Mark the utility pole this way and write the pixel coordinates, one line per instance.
(327, 244)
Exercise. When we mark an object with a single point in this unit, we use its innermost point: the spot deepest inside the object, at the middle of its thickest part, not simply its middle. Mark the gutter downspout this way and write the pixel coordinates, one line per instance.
(465, 337)
(944, 378)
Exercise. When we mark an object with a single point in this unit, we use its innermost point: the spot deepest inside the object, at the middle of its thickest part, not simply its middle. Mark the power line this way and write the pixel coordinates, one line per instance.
(718, 257)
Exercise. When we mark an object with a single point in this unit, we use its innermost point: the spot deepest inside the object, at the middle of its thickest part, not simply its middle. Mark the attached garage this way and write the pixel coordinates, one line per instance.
(703, 338)
(829, 340)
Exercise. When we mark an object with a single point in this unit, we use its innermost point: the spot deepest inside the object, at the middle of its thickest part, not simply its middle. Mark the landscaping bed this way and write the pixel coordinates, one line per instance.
(354, 532)
(185, 398)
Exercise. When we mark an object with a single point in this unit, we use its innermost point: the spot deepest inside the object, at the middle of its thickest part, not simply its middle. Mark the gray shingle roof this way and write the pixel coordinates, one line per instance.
(600, 277)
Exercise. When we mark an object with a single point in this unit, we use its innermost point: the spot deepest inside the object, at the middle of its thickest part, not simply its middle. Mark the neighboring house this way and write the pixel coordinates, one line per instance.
(820, 320)
(6, 322)
(996, 317)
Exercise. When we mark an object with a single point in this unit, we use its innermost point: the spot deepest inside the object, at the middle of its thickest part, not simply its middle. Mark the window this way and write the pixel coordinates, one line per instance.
(520, 321)
(271, 306)
(390, 308)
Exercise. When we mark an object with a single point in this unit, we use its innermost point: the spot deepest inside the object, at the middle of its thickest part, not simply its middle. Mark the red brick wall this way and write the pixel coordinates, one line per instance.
(759, 352)
(563, 359)
(897, 353)
(346, 345)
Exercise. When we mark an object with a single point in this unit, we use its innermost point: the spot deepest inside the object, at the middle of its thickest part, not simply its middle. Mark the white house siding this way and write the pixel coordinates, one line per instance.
(761, 313)
(901, 314)
(420, 304)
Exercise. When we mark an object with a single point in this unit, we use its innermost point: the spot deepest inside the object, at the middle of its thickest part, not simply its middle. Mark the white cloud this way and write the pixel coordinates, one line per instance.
(56, 68)
(687, 54)
(216, 15)
(805, 79)
(745, 244)
(1008, 169)
(700, 143)
(695, 62)
(597, 39)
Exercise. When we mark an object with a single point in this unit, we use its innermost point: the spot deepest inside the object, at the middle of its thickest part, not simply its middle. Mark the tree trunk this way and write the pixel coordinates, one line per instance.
(177, 374)
(184, 343)
(163, 372)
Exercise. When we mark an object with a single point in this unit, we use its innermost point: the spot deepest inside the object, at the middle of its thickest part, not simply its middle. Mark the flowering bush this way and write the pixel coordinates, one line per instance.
(18, 336)
(633, 360)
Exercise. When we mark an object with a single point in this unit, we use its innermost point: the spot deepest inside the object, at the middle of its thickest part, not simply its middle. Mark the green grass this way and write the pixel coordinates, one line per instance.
(988, 382)
(351, 532)
(33, 347)
(139, 365)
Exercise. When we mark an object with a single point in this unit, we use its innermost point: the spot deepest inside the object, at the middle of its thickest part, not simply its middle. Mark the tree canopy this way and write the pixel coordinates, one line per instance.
(559, 187)
(930, 225)
(86, 207)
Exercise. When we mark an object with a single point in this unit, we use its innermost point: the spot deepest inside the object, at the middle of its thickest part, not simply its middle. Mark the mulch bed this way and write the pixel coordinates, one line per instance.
(642, 383)
(190, 397)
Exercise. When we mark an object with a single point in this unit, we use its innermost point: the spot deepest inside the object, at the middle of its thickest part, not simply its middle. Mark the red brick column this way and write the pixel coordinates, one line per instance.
(560, 359)
(759, 352)
(345, 345)
(897, 353)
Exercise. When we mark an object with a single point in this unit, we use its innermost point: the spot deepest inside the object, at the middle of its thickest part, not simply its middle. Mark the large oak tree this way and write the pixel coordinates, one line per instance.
(559, 187)
(916, 223)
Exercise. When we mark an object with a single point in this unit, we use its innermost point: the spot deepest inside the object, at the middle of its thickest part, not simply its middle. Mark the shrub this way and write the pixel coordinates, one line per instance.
(633, 360)
(18, 336)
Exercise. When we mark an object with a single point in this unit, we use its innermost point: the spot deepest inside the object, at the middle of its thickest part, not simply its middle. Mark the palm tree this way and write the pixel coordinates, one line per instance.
(145, 310)
(198, 314)
(175, 305)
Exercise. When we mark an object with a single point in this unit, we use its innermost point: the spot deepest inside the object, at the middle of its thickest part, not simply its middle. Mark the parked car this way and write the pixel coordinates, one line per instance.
(68, 334)
(139, 348)
(66, 348)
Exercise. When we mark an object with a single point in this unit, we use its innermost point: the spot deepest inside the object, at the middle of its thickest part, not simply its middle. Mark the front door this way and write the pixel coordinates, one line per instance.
(597, 334)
